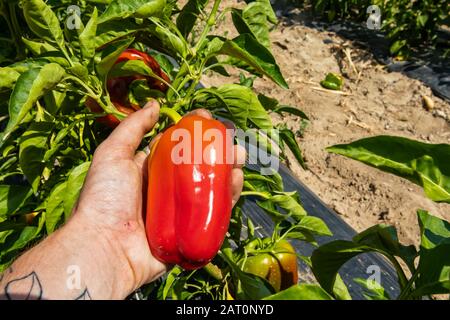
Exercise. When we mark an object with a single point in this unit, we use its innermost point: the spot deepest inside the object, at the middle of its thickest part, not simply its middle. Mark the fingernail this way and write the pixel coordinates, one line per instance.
(152, 103)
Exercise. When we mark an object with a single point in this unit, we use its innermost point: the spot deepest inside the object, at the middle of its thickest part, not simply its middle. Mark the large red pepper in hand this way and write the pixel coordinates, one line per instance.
(189, 203)
(118, 87)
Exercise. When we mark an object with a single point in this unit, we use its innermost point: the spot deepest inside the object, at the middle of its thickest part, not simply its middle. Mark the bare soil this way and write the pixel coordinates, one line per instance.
(377, 102)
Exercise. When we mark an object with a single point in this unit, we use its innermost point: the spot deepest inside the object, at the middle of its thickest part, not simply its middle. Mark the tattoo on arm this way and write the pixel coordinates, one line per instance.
(84, 296)
(30, 282)
(32, 288)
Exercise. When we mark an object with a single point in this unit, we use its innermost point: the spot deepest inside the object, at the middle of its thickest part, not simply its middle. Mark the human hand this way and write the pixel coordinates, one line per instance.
(111, 202)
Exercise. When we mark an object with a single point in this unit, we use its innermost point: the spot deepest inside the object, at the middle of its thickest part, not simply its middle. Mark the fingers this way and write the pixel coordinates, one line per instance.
(237, 175)
(125, 139)
(237, 183)
(240, 155)
(201, 113)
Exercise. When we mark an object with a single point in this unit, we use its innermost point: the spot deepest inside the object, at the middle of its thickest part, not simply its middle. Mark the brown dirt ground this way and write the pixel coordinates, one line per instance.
(379, 102)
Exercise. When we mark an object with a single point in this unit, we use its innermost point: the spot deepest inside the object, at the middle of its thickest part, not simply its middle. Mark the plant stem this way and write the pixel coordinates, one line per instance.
(405, 292)
(263, 195)
(209, 23)
(171, 114)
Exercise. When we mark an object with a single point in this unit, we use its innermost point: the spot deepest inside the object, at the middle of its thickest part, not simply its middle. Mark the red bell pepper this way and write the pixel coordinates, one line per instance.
(118, 87)
(189, 204)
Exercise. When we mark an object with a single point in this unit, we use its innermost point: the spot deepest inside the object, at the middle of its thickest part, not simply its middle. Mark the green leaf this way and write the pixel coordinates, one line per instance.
(422, 20)
(8, 78)
(243, 105)
(289, 202)
(131, 67)
(188, 16)
(87, 37)
(12, 198)
(55, 207)
(38, 48)
(397, 46)
(373, 290)
(288, 109)
(18, 240)
(114, 30)
(171, 41)
(340, 290)
(314, 225)
(384, 238)
(328, 259)
(424, 164)
(29, 88)
(288, 137)
(301, 292)
(74, 184)
(246, 48)
(121, 9)
(110, 55)
(32, 148)
(43, 21)
(434, 264)
(254, 19)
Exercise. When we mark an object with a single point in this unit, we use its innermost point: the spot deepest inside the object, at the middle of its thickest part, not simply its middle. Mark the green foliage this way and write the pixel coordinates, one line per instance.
(407, 24)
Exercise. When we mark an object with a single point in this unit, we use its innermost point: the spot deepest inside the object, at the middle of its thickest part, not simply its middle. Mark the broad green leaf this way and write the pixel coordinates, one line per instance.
(294, 111)
(121, 9)
(372, 289)
(328, 259)
(131, 67)
(384, 238)
(272, 104)
(55, 207)
(171, 41)
(74, 184)
(422, 19)
(8, 78)
(434, 263)
(13, 198)
(254, 19)
(247, 49)
(43, 21)
(29, 88)
(18, 240)
(87, 37)
(243, 105)
(314, 225)
(288, 137)
(301, 292)
(340, 290)
(397, 46)
(289, 202)
(38, 48)
(188, 16)
(110, 55)
(424, 164)
(114, 30)
(32, 148)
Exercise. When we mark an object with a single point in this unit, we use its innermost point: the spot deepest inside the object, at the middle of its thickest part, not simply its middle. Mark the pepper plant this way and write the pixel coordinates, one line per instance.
(56, 60)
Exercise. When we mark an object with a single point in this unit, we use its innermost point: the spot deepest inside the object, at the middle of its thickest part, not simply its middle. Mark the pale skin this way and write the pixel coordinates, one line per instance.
(104, 241)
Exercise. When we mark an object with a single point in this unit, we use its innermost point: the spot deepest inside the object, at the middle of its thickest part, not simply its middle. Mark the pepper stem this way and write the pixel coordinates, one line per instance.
(172, 114)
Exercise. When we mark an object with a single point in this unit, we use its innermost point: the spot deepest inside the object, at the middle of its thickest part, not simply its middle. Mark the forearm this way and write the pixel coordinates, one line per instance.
(75, 262)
